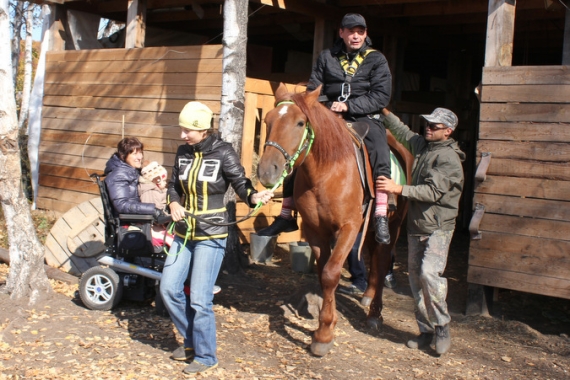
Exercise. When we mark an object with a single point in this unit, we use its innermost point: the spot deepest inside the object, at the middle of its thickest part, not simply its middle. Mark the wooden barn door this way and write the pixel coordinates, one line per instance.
(524, 241)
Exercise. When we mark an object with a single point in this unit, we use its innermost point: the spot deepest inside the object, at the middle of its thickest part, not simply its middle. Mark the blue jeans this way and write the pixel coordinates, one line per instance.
(357, 267)
(200, 262)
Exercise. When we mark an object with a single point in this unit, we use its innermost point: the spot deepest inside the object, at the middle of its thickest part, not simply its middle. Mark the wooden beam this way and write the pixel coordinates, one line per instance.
(136, 24)
(500, 33)
(305, 7)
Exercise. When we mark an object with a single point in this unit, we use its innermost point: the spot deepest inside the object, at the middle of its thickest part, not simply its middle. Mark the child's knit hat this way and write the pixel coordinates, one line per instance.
(154, 172)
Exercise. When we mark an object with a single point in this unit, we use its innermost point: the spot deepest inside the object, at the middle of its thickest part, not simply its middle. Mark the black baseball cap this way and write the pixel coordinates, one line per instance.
(351, 20)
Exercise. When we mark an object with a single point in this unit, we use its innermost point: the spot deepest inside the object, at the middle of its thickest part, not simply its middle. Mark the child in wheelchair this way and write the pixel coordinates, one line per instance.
(152, 189)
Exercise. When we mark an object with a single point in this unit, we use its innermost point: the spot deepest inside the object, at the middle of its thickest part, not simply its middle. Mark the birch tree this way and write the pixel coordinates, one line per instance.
(234, 43)
(24, 105)
(17, 22)
(27, 277)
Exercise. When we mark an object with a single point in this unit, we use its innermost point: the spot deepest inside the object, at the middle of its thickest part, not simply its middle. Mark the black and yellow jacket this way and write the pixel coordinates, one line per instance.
(200, 178)
(371, 86)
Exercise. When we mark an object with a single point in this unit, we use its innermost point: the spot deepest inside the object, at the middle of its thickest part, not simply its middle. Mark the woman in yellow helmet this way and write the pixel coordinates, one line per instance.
(204, 168)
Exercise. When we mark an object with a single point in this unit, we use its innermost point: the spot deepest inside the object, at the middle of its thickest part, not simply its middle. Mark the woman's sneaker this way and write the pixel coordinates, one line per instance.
(183, 353)
(195, 368)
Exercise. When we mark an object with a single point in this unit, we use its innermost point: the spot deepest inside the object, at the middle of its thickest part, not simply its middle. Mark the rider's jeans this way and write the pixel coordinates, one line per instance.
(200, 261)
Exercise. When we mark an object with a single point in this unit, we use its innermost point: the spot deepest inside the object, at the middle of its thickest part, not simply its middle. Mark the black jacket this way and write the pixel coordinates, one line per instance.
(201, 175)
(122, 180)
(371, 86)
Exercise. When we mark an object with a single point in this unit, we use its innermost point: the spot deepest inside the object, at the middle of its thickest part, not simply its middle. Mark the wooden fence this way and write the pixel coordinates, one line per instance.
(525, 125)
(93, 98)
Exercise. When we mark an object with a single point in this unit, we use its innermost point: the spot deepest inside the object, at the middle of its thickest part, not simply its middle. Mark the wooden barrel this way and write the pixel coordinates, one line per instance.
(76, 238)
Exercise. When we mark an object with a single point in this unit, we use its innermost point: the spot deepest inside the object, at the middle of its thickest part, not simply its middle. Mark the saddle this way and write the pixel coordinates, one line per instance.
(358, 131)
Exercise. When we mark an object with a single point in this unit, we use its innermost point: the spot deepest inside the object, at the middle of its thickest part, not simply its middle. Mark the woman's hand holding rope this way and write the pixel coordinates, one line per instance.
(262, 196)
(177, 211)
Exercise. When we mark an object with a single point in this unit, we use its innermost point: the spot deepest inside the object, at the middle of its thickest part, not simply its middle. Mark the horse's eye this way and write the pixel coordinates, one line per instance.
(300, 124)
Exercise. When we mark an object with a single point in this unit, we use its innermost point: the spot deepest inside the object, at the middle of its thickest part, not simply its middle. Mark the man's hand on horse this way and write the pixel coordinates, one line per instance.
(339, 107)
(262, 196)
(388, 185)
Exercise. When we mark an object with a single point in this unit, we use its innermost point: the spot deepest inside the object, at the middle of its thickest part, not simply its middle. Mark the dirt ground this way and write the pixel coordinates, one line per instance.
(261, 336)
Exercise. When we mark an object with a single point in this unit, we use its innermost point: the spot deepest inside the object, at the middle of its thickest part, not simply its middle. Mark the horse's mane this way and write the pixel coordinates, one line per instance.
(332, 139)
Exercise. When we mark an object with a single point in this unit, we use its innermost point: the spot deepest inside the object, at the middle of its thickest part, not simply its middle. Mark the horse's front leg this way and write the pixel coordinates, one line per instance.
(323, 337)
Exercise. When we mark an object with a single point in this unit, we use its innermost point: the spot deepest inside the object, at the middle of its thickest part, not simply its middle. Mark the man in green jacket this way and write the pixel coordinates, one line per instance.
(437, 182)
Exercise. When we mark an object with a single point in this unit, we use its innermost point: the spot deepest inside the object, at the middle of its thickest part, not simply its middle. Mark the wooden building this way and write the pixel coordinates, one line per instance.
(439, 52)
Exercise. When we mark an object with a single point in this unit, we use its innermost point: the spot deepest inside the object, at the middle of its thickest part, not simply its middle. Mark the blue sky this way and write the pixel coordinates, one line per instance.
(37, 33)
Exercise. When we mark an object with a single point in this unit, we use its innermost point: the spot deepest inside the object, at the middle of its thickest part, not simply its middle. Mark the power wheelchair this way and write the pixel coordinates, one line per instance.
(131, 267)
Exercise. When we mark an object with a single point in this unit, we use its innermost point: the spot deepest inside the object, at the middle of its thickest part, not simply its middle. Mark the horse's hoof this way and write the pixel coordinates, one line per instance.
(374, 323)
(366, 301)
(321, 349)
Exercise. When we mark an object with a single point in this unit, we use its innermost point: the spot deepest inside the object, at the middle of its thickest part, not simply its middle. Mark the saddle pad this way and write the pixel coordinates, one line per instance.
(398, 174)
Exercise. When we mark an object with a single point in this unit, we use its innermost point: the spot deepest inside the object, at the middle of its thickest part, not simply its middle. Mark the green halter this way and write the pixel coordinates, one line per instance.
(304, 145)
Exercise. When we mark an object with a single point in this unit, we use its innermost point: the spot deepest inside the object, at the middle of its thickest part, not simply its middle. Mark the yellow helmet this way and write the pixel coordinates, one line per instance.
(195, 116)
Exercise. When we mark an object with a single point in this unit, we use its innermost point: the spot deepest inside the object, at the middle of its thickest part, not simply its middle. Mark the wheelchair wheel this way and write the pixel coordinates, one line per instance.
(100, 288)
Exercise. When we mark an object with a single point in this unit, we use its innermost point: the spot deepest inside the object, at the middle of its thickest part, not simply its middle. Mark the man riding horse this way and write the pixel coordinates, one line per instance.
(356, 83)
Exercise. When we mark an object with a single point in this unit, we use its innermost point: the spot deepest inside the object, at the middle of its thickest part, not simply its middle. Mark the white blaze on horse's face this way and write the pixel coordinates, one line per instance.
(283, 110)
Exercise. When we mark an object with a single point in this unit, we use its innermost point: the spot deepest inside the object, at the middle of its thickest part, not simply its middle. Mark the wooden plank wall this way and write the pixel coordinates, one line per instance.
(95, 97)
(525, 125)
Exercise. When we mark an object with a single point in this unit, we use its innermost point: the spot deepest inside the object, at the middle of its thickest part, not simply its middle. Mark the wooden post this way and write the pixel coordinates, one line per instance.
(566, 44)
(136, 24)
(500, 33)
(498, 52)
(390, 51)
(322, 35)
(319, 38)
(56, 28)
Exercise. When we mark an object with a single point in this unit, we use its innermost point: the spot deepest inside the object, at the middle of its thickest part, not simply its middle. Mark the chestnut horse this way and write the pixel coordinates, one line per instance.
(329, 196)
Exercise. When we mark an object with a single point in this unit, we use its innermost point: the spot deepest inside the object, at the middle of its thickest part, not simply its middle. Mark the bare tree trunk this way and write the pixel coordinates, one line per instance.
(232, 110)
(27, 276)
(24, 105)
(17, 28)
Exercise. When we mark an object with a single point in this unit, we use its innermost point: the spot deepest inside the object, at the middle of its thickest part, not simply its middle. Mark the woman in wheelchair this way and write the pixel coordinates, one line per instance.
(204, 168)
(122, 174)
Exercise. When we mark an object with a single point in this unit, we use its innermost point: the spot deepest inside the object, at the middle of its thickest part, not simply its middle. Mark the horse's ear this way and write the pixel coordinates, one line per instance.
(313, 96)
(281, 92)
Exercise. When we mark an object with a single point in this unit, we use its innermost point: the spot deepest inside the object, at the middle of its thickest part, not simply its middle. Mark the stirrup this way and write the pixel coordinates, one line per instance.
(392, 202)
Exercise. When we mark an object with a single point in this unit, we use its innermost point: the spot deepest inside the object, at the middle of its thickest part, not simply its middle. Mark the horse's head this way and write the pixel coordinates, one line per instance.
(287, 128)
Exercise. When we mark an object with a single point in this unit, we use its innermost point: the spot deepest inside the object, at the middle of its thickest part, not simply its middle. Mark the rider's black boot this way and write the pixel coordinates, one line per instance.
(382, 229)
